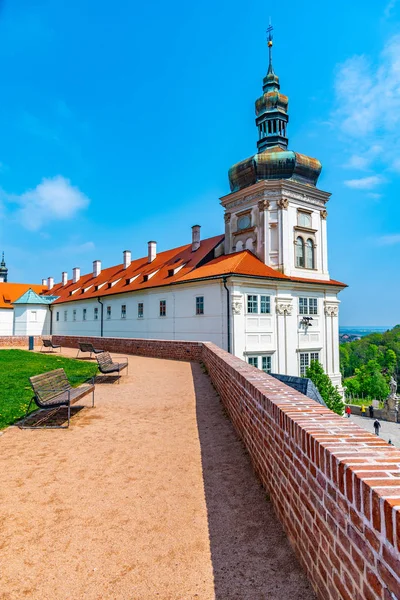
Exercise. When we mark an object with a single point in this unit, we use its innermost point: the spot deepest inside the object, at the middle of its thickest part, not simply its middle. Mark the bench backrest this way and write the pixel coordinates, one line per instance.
(50, 384)
(86, 347)
(47, 343)
(104, 359)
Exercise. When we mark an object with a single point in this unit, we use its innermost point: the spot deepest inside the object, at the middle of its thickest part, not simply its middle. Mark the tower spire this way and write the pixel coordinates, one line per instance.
(3, 270)
(270, 44)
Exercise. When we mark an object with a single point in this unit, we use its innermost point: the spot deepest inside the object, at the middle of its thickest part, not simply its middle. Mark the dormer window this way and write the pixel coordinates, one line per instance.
(244, 222)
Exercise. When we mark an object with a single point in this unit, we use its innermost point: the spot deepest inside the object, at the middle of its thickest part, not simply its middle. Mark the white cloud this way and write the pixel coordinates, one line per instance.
(52, 200)
(367, 100)
(389, 240)
(365, 183)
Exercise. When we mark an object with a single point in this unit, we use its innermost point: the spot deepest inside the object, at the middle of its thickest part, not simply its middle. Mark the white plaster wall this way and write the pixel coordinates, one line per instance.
(26, 322)
(281, 335)
(6, 321)
(180, 322)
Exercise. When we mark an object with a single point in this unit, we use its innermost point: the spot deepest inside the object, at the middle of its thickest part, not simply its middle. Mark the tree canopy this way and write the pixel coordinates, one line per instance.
(328, 391)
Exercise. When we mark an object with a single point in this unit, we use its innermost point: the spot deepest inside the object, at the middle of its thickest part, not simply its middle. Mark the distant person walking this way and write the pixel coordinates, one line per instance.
(377, 426)
(363, 410)
(348, 411)
(371, 411)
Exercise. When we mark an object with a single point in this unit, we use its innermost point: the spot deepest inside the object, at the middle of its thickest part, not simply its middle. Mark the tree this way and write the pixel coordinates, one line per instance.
(324, 385)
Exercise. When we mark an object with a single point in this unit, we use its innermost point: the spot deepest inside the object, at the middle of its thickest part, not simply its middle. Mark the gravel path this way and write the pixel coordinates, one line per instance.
(148, 495)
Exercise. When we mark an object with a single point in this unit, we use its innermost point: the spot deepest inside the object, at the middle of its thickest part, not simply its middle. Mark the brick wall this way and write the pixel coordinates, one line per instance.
(174, 350)
(335, 487)
(18, 341)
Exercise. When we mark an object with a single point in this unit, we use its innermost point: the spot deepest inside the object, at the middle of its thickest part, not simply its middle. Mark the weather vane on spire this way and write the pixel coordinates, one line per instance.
(270, 42)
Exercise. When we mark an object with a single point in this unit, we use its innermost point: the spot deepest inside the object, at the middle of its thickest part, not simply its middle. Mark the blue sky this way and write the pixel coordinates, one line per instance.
(119, 122)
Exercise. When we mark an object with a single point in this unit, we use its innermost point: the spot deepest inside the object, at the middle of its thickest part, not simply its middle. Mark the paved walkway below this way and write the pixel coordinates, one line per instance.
(148, 495)
(388, 431)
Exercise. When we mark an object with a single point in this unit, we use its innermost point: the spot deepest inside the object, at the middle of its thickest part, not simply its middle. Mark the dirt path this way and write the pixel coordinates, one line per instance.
(148, 495)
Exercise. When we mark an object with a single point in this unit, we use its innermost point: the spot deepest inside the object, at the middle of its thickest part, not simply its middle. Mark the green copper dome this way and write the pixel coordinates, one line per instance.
(274, 163)
(273, 160)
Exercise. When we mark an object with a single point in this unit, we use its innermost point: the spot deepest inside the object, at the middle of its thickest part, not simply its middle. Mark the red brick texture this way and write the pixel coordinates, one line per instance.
(334, 486)
(18, 341)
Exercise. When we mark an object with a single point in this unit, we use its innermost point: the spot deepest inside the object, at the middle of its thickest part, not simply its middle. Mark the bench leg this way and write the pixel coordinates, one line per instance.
(69, 414)
(26, 414)
(93, 398)
(78, 353)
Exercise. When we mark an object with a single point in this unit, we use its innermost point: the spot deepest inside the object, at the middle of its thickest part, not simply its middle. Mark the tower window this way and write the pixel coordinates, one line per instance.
(95, 313)
(303, 219)
(309, 254)
(300, 252)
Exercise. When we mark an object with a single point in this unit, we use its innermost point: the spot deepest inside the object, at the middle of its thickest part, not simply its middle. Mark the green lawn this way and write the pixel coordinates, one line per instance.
(16, 366)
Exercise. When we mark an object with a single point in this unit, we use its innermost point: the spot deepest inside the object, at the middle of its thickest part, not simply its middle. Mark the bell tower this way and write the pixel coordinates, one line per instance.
(3, 270)
(275, 209)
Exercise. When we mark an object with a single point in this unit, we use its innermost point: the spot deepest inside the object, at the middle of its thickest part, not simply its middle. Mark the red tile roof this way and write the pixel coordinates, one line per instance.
(179, 265)
(9, 292)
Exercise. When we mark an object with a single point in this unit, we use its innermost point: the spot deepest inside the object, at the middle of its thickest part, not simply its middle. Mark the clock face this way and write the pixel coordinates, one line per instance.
(244, 222)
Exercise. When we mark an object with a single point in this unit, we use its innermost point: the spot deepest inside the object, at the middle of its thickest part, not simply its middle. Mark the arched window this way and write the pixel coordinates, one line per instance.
(249, 244)
(309, 254)
(299, 252)
(239, 246)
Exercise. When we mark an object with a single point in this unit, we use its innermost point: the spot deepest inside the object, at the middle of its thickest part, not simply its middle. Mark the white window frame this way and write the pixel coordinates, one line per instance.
(253, 360)
(140, 310)
(308, 305)
(108, 312)
(33, 316)
(258, 360)
(58, 315)
(96, 313)
(252, 302)
(84, 312)
(123, 311)
(74, 314)
(307, 358)
(163, 309)
(199, 305)
(65, 315)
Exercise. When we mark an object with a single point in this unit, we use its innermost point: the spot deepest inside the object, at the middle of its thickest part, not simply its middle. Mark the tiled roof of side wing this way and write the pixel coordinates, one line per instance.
(10, 292)
(179, 265)
(168, 267)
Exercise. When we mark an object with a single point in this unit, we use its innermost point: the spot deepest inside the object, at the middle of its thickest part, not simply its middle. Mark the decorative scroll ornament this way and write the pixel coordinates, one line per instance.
(263, 205)
(283, 203)
(237, 304)
(324, 214)
(227, 217)
(284, 308)
(331, 310)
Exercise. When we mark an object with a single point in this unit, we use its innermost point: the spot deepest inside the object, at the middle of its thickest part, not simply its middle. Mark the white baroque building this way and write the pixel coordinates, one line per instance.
(261, 291)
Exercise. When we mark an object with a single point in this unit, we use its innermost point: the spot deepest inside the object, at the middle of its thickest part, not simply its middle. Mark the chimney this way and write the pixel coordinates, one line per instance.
(152, 251)
(64, 277)
(44, 282)
(127, 258)
(195, 237)
(96, 268)
(50, 283)
(76, 274)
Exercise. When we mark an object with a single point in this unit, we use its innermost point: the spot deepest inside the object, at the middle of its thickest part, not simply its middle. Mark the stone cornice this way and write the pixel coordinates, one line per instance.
(292, 190)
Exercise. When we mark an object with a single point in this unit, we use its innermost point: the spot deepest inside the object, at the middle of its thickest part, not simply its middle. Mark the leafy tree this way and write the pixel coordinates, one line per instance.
(328, 391)
(375, 347)
(390, 361)
(368, 382)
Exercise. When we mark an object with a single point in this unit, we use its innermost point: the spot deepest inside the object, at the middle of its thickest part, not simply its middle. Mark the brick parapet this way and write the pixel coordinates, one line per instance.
(17, 341)
(334, 486)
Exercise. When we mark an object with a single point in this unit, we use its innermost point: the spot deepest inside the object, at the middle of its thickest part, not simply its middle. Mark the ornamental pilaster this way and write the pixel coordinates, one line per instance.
(331, 310)
(284, 308)
(237, 304)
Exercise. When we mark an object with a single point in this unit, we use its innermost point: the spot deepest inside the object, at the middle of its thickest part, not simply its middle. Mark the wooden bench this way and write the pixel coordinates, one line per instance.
(49, 344)
(107, 366)
(87, 347)
(53, 390)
